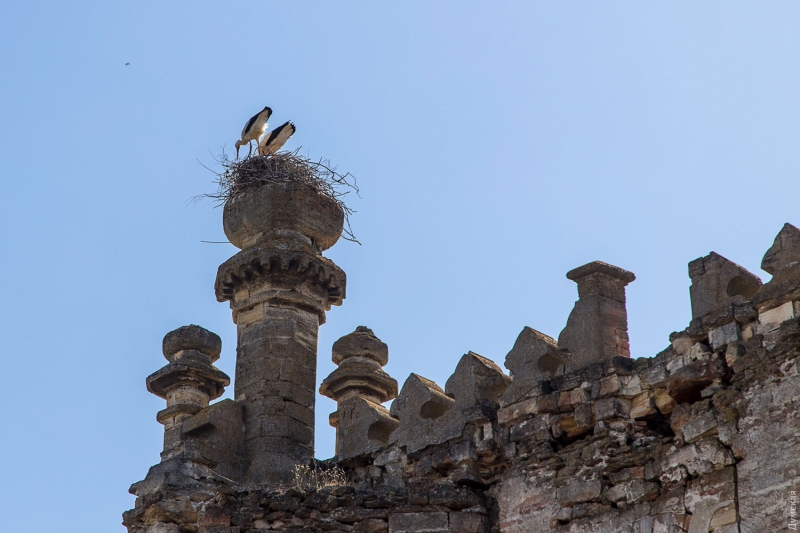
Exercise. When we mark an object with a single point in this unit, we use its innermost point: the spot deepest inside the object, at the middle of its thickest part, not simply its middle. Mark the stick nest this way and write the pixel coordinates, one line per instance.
(239, 176)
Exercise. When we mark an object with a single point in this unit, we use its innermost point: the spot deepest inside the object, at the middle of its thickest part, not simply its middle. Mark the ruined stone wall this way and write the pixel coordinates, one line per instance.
(704, 436)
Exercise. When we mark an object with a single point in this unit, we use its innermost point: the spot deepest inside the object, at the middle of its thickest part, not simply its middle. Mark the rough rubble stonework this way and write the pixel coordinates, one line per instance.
(704, 436)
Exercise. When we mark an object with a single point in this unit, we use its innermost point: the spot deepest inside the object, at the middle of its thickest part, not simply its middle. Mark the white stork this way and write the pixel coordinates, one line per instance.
(253, 130)
(274, 140)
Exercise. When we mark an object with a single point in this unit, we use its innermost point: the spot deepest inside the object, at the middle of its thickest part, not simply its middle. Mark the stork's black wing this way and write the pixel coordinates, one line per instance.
(252, 121)
(274, 140)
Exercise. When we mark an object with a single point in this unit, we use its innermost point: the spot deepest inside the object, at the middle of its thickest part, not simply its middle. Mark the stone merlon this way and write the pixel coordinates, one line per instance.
(597, 328)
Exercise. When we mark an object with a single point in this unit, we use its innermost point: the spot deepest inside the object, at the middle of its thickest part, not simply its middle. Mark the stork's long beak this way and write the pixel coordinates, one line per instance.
(237, 151)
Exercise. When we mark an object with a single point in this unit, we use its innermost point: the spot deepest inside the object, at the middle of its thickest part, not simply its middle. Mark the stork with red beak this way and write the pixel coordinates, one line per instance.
(253, 130)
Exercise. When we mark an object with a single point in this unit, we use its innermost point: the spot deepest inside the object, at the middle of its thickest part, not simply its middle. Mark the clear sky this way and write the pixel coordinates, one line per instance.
(497, 145)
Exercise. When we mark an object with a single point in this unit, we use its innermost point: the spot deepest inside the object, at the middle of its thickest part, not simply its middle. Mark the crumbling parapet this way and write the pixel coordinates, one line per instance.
(597, 327)
(360, 386)
(279, 287)
(701, 437)
(721, 291)
(429, 415)
(533, 360)
(782, 260)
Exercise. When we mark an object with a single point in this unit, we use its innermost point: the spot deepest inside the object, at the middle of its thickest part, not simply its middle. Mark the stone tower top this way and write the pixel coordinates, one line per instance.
(287, 214)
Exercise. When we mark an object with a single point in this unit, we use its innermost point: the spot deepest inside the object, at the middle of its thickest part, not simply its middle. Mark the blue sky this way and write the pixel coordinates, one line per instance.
(497, 146)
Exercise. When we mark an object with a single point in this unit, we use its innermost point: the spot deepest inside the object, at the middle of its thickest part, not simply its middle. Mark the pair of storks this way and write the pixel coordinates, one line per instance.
(256, 127)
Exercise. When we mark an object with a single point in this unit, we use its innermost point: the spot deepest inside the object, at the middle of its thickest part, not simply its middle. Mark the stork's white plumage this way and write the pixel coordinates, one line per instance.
(274, 140)
(253, 130)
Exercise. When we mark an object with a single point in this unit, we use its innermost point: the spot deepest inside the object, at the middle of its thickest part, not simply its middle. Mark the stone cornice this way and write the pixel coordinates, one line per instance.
(256, 262)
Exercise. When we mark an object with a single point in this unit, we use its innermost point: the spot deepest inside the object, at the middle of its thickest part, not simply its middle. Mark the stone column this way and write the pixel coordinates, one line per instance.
(279, 287)
(189, 381)
(597, 328)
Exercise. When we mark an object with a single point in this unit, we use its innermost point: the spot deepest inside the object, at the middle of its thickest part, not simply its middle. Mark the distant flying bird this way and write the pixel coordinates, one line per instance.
(274, 140)
(126, 64)
(253, 130)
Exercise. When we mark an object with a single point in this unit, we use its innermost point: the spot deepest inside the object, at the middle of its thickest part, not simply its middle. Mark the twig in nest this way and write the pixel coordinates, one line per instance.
(243, 175)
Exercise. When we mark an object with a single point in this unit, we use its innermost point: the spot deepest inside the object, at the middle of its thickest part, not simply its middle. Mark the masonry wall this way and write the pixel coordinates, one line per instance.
(704, 436)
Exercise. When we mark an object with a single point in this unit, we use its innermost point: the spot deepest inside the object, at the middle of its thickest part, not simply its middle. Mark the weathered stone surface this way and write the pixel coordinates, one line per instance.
(265, 214)
(597, 328)
(359, 386)
(418, 523)
(718, 283)
(361, 343)
(476, 381)
(612, 408)
(361, 427)
(420, 403)
(534, 357)
(642, 406)
(724, 335)
(702, 437)
(782, 260)
(699, 427)
(579, 491)
(687, 382)
(430, 416)
(192, 337)
(188, 382)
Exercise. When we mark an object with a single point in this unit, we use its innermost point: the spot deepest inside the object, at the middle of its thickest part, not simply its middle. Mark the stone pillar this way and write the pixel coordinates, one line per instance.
(189, 381)
(279, 287)
(359, 386)
(597, 328)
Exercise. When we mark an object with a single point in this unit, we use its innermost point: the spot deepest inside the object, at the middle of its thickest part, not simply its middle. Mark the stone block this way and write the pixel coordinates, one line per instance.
(577, 491)
(656, 376)
(687, 383)
(518, 411)
(609, 385)
(609, 408)
(631, 386)
(723, 516)
(771, 319)
(434, 522)
(634, 491)
(161, 527)
(642, 406)
(699, 427)
(718, 486)
(664, 402)
(723, 335)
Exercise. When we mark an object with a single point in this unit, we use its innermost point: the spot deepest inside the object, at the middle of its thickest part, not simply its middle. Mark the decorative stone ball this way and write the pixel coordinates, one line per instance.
(361, 343)
(192, 338)
(283, 206)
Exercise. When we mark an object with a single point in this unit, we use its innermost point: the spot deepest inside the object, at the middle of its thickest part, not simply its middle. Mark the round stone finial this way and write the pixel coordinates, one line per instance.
(361, 343)
(276, 209)
(193, 338)
(360, 356)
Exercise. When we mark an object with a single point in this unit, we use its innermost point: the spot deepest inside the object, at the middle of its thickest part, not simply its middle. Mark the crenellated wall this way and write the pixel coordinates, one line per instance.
(580, 437)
